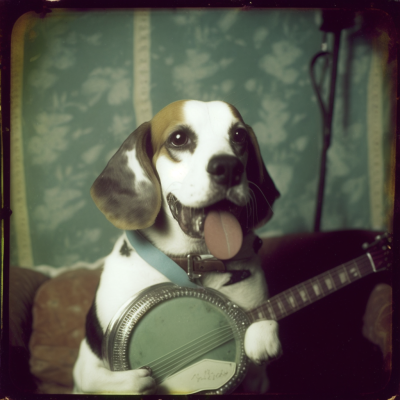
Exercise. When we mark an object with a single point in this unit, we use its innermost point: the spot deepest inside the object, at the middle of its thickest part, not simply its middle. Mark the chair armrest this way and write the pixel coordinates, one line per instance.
(377, 326)
(23, 286)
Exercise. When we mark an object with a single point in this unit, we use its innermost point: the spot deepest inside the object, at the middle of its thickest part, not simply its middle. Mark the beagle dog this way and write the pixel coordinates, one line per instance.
(191, 158)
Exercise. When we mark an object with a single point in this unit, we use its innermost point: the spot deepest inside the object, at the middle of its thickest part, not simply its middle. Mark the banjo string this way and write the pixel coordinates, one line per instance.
(168, 370)
(184, 348)
(194, 345)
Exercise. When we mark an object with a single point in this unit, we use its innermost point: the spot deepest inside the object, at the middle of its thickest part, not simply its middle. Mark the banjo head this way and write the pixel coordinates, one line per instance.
(192, 339)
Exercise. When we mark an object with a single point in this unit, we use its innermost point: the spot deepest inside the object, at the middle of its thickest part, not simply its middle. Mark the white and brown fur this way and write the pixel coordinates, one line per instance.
(132, 192)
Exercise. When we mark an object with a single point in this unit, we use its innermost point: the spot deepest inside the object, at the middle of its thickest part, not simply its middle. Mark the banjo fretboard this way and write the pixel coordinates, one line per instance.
(316, 288)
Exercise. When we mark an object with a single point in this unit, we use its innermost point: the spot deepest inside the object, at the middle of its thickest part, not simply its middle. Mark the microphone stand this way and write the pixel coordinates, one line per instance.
(334, 21)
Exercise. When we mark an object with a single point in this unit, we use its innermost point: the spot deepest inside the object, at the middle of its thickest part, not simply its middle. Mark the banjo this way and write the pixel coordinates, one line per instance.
(193, 339)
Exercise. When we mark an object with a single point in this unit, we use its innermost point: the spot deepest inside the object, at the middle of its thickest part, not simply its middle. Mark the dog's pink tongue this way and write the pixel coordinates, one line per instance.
(223, 234)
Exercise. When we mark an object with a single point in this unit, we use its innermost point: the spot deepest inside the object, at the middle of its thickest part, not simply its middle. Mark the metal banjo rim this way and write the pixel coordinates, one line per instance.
(116, 339)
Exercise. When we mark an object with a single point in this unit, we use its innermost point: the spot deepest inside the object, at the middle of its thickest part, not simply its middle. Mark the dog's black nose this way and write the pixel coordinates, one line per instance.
(225, 170)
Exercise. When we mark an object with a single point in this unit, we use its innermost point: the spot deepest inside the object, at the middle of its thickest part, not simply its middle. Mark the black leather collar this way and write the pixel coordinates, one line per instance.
(195, 265)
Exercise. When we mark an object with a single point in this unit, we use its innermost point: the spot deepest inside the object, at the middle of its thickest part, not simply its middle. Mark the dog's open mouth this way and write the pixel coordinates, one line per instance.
(191, 220)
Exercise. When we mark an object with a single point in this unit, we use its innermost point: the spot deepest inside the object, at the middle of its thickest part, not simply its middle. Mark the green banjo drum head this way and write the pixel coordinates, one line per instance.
(192, 339)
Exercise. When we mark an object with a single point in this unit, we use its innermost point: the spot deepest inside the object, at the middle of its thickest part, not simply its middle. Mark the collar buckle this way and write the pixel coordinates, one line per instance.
(190, 258)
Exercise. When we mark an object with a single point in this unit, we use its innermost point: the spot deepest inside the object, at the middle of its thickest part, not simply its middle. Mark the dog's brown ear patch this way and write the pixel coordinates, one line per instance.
(264, 190)
(128, 191)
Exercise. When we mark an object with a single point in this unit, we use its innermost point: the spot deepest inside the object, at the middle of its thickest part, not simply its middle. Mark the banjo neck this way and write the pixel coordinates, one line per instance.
(314, 289)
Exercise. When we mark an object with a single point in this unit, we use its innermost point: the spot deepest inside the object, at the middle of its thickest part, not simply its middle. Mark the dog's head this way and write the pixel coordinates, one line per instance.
(192, 156)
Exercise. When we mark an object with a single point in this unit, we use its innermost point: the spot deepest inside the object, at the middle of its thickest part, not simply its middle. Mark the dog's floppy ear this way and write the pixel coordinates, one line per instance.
(128, 191)
(264, 192)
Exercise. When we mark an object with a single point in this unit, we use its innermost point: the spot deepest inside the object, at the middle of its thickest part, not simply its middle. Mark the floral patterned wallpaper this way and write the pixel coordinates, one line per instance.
(77, 107)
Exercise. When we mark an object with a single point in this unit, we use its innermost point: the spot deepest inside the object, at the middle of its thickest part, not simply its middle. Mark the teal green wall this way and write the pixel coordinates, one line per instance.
(77, 109)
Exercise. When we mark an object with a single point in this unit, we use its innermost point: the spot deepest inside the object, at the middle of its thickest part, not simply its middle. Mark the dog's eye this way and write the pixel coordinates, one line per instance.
(178, 139)
(239, 136)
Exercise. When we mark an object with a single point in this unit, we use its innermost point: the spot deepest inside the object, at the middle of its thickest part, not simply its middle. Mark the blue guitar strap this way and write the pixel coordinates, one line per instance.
(158, 260)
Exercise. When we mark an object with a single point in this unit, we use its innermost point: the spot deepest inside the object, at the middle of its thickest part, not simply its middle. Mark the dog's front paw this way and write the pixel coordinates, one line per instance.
(142, 382)
(137, 381)
(261, 342)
